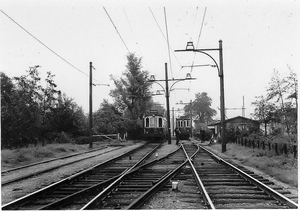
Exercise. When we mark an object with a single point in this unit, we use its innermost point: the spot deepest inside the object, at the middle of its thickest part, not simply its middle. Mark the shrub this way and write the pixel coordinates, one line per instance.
(86, 139)
(82, 140)
(64, 138)
(60, 149)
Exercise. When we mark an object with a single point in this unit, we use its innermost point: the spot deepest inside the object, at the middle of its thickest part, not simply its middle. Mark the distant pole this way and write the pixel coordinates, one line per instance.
(168, 105)
(191, 121)
(173, 120)
(91, 109)
(243, 109)
(223, 126)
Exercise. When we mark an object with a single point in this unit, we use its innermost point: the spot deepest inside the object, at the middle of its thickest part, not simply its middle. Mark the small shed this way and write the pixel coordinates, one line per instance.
(238, 122)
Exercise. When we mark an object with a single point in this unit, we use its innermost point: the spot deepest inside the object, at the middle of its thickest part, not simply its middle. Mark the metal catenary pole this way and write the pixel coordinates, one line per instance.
(223, 126)
(168, 105)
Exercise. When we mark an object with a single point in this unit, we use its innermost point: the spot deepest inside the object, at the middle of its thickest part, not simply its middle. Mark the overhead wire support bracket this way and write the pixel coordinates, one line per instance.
(200, 65)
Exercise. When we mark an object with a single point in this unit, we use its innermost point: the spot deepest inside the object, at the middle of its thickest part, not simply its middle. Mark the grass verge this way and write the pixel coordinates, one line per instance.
(24, 156)
(283, 168)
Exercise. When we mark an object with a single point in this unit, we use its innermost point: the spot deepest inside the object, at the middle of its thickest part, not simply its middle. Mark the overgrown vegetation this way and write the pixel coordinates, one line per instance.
(33, 114)
(283, 168)
(278, 109)
(23, 156)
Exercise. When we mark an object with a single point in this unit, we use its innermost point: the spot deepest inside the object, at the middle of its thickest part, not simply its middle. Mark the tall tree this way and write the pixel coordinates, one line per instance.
(108, 120)
(8, 115)
(131, 95)
(69, 118)
(291, 85)
(279, 91)
(132, 90)
(27, 106)
(201, 108)
(265, 111)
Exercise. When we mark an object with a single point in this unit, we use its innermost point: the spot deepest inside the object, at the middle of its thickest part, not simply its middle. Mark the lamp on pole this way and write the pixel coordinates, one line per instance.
(167, 94)
(190, 47)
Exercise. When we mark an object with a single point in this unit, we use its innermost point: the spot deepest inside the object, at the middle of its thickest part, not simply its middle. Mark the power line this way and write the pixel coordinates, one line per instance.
(133, 34)
(201, 27)
(199, 37)
(163, 35)
(168, 41)
(194, 23)
(116, 30)
(44, 44)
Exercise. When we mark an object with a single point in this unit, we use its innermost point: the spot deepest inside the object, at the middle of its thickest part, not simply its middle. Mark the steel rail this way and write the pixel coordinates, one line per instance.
(97, 187)
(279, 197)
(97, 199)
(198, 180)
(148, 194)
(18, 202)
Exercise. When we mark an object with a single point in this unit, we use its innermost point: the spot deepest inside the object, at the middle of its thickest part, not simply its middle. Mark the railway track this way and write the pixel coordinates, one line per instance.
(132, 190)
(13, 175)
(205, 182)
(85, 183)
(230, 187)
(212, 183)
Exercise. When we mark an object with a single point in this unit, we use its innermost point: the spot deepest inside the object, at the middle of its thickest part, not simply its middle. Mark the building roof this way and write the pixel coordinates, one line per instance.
(235, 120)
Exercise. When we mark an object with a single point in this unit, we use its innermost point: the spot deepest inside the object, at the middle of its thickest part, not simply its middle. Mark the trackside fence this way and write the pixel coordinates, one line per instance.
(278, 148)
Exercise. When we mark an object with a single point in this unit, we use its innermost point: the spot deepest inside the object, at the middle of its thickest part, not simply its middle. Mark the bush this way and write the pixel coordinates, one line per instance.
(63, 138)
(86, 139)
(82, 140)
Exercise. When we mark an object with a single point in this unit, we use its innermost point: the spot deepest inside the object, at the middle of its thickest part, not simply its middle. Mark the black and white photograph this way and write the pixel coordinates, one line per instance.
(149, 105)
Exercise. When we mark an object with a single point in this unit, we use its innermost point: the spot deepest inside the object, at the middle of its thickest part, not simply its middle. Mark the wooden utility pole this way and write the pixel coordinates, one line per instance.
(91, 109)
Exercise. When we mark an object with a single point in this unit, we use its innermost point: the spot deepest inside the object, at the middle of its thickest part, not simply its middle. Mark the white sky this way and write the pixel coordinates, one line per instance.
(258, 36)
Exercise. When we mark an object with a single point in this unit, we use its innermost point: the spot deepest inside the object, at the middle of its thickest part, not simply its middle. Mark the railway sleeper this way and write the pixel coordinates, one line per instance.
(247, 200)
(242, 196)
(136, 184)
(223, 180)
(249, 206)
(144, 179)
(228, 184)
(136, 189)
(70, 189)
(89, 181)
(235, 191)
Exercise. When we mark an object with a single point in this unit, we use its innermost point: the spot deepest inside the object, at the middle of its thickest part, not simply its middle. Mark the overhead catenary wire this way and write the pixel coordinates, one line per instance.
(116, 29)
(194, 24)
(134, 35)
(164, 36)
(45, 45)
(168, 42)
(200, 32)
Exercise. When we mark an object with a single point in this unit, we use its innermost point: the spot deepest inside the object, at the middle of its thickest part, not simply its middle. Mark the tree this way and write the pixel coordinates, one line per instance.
(291, 85)
(201, 108)
(283, 89)
(8, 116)
(108, 120)
(131, 95)
(28, 110)
(27, 106)
(265, 111)
(68, 118)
